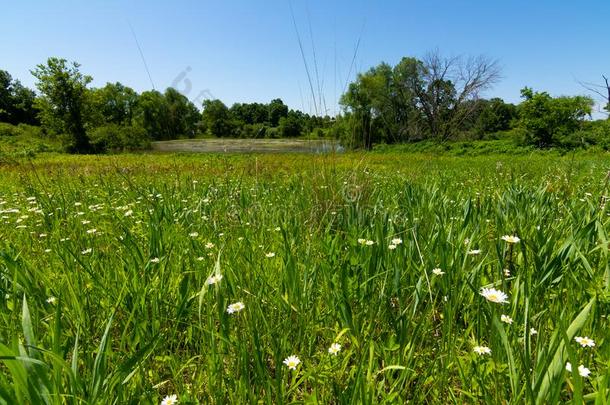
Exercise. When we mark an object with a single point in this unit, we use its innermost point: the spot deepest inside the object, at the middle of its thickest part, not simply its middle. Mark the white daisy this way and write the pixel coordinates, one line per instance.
(233, 308)
(292, 362)
(506, 319)
(510, 239)
(334, 348)
(481, 350)
(493, 295)
(585, 341)
(170, 400)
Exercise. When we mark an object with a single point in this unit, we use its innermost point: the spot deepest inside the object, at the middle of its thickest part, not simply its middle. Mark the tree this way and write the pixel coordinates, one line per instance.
(601, 90)
(114, 104)
(16, 101)
(547, 120)
(430, 98)
(153, 115)
(495, 115)
(444, 86)
(182, 115)
(277, 110)
(290, 126)
(217, 119)
(63, 101)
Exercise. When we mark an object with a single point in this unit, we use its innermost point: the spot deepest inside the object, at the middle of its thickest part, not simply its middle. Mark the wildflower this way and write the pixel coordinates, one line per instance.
(493, 295)
(392, 247)
(128, 213)
(506, 319)
(91, 231)
(369, 243)
(194, 234)
(437, 272)
(270, 254)
(292, 362)
(583, 371)
(585, 341)
(51, 300)
(481, 350)
(170, 400)
(334, 348)
(510, 239)
(214, 279)
(533, 332)
(506, 273)
(277, 229)
(238, 306)
(474, 252)
(209, 245)
(361, 241)
(396, 241)
(569, 366)
(86, 251)
(155, 260)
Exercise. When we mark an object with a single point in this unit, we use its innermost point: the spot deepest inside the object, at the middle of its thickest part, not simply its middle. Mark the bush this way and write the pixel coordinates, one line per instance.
(9, 129)
(551, 121)
(253, 131)
(117, 138)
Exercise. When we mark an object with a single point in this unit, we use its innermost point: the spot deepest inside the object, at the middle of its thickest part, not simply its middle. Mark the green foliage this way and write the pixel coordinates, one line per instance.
(16, 101)
(216, 119)
(24, 141)
(117, 138)
(277, 110)
(113, 104)
(547, 120)
(63, 101)
(432, 98)
(495, 115)
(289, 127)
(166, 116)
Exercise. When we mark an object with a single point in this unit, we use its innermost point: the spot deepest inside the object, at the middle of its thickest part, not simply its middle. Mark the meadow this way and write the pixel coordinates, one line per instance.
(330, 279)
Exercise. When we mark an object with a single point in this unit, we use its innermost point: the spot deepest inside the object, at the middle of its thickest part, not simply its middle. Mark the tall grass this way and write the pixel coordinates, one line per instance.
(105, 263)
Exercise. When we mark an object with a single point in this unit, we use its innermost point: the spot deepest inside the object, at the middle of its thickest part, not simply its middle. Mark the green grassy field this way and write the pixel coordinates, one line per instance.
(119, 275)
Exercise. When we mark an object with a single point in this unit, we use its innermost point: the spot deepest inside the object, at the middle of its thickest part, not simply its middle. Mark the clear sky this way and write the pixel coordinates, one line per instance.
(247, 50)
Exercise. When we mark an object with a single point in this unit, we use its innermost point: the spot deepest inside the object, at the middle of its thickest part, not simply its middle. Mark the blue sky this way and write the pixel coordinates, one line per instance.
(247, 50)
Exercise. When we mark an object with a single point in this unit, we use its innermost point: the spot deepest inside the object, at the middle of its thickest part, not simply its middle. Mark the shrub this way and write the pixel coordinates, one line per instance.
(117, 138)
(8, 129)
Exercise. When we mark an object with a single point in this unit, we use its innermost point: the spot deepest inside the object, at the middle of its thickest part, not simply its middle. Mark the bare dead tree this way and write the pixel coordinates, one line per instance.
(450, 84)
(601, 90)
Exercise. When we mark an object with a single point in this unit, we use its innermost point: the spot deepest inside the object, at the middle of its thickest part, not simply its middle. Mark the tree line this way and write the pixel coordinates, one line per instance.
(434, 98)
(116, 117)
(438, 98)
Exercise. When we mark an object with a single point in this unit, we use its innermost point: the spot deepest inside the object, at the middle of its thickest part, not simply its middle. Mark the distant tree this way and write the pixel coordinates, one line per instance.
(16, 101)
(430, 98)
(601, 90)
(495, 115)
(277, 110)
(250, 113)
(114, 104)
(217, 119)
(63, 101)
(152, 114)
(546, 119)
(445, 85)
(290, 126)
(182, 115)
